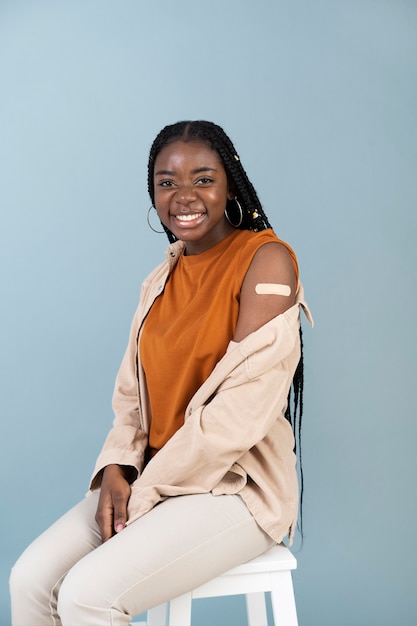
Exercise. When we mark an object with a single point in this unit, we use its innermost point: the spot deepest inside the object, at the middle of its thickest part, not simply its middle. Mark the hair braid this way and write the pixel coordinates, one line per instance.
(294, 414)
(254, 217)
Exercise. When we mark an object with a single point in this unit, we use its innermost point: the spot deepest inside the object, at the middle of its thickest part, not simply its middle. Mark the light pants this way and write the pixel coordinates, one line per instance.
(68, 577)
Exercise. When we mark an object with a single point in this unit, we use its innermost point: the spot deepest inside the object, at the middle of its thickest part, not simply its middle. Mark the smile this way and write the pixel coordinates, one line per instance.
(189, 217)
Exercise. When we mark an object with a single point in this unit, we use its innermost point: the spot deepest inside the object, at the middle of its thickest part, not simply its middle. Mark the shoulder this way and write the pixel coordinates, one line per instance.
(275, 253)
(250, 239)
(273, 262)
(264, 247)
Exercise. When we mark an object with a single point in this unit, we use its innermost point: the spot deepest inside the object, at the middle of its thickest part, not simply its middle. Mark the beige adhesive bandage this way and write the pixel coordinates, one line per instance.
(273, 289)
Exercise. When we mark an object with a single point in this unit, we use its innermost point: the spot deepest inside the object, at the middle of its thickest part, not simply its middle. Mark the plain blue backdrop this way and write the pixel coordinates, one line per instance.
(320, 99)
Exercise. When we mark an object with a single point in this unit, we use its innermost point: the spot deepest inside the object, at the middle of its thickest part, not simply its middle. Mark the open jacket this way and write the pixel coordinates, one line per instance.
(235, 438)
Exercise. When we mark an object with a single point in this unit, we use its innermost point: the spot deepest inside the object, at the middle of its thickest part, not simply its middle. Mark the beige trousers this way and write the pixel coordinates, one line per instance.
(68, 577)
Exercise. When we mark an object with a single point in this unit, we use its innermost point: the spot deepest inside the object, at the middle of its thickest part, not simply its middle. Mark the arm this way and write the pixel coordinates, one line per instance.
(126, 442)
(271, 270)
(121, 458)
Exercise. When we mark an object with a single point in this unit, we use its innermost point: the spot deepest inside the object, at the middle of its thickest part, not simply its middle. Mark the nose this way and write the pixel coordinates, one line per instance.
(185, 194)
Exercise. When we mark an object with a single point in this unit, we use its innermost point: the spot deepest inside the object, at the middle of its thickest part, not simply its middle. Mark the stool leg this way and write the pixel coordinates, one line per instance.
(157, 615)
(283, 600)
(180, 610)
(256, 609)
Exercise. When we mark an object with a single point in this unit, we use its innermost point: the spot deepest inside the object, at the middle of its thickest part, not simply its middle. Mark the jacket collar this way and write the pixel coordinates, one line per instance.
(173, 253)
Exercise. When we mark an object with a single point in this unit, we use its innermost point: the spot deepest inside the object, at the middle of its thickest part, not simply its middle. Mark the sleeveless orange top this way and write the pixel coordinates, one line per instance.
(190, 325)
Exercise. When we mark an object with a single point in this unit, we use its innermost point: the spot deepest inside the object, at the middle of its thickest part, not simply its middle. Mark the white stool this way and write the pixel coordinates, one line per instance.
(269, 572)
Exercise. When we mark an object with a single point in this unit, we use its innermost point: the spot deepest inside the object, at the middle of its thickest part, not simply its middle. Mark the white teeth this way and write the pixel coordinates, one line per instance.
(188, 218)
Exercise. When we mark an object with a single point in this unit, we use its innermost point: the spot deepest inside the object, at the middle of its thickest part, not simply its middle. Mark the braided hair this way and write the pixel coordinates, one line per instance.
(253, 218)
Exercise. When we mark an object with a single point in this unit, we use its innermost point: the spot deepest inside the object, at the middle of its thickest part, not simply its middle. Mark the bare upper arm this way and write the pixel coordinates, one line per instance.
(272, 265)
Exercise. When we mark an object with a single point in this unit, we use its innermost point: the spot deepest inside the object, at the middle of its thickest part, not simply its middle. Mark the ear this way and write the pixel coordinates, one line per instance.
(231, 189)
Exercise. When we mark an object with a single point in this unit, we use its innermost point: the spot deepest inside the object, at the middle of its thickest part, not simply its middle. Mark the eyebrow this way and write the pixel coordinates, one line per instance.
(197, 170)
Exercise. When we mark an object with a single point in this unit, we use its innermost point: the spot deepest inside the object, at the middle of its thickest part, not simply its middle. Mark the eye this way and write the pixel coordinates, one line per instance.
(165, 183)
(204, 180)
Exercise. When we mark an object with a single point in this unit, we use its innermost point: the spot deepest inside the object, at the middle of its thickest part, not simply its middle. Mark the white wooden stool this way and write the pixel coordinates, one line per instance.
(269, 572)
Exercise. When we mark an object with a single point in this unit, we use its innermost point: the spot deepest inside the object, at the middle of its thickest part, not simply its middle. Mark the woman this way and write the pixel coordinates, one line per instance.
(198, 472)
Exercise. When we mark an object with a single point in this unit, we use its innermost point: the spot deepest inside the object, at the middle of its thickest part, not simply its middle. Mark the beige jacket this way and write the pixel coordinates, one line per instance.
(235, 438)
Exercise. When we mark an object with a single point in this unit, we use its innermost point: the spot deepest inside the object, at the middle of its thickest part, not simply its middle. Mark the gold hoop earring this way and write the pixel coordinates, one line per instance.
(160, 232)
(240, 214)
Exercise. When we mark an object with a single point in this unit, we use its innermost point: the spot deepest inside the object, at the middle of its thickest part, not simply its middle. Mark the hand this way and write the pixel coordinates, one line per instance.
(111, 515)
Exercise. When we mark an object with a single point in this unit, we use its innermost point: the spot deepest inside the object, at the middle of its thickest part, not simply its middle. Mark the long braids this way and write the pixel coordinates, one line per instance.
(253, 218)
(294, 414)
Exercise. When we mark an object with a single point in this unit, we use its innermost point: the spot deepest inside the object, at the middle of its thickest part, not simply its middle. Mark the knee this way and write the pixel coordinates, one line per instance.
(85, 598)
(75, 597)
(35, 579)
(29, 589)
(24, 577)
(68, 597)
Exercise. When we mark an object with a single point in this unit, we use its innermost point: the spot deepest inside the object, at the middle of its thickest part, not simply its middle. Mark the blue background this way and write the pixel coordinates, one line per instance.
(320, 99)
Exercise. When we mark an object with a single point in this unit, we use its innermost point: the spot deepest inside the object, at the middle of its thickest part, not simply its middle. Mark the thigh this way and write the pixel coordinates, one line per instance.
(183, 542)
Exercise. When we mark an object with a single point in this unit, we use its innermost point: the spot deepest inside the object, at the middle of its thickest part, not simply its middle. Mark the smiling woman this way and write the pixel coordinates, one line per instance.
(199, 467)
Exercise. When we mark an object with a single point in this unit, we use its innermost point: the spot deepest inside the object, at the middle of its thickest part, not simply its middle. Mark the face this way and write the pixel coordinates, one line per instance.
(191, 193)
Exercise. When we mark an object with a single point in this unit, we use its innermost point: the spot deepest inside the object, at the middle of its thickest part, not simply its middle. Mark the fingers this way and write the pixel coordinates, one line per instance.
(104, 517)
(120, 500)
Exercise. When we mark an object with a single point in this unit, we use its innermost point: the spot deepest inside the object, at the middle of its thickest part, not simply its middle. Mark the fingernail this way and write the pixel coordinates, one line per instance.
(119, 527)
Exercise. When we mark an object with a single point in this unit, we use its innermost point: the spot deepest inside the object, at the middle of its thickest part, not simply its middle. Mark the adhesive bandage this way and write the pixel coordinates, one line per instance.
(273, 289)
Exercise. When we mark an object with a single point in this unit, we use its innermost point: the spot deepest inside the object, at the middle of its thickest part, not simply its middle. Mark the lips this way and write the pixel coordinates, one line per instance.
(188, 221)
(188, 217)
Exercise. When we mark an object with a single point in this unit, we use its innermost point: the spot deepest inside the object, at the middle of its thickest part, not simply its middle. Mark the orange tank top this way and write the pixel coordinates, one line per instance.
(190, 325)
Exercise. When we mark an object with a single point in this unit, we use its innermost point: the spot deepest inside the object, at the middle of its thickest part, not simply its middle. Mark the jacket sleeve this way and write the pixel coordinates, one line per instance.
(126, 442)
(241, 410)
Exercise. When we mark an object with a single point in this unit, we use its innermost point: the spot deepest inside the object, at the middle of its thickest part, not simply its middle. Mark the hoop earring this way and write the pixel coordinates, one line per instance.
(160, 232)
(240, 214)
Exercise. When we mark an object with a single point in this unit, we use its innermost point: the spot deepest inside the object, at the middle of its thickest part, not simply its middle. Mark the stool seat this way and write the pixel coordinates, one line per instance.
(270, 571)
